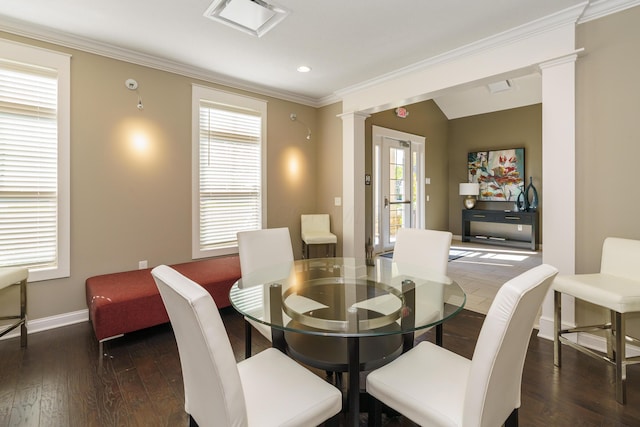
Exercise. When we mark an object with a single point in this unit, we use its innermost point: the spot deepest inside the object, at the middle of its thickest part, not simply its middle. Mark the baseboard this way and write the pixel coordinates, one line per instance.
(51, 322)
(594, 342)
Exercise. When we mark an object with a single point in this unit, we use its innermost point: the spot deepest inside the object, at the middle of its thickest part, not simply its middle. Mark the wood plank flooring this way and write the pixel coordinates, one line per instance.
(56, 381)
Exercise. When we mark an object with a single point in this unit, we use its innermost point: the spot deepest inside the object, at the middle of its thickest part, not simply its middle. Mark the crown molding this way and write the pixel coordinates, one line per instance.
(47, 35)
(533, 28)
(600, 8)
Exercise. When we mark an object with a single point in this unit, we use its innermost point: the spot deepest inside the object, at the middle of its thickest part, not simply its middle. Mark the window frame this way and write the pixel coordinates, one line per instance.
(234, 101)
(40, 57)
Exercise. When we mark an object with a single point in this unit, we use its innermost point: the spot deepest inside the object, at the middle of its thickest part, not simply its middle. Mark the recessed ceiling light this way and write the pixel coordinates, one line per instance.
(304, 69)
(255, 17)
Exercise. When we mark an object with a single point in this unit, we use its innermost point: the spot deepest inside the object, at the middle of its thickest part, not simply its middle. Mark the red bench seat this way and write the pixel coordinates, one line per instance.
(129, 301)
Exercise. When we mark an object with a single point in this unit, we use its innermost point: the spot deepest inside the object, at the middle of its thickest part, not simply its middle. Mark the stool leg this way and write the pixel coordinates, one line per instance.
(621, 366)
(557, 327)
(610, 336)
(23, 313)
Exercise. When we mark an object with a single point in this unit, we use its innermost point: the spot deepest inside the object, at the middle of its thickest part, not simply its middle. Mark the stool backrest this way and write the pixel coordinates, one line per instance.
(619, 257)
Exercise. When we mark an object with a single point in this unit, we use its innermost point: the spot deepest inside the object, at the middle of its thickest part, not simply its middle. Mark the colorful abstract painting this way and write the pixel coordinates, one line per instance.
(500, 173)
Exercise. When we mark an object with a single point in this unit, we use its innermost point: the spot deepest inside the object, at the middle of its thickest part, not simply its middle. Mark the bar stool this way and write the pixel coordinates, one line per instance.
(616, 288)
(16, 276)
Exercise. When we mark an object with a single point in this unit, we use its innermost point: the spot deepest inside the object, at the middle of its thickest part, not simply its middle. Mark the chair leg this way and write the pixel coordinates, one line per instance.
(439, 332)
(621, 366)
(247, 339)
(375, 412)
(512, 421)
(557, 327)
(333, 421)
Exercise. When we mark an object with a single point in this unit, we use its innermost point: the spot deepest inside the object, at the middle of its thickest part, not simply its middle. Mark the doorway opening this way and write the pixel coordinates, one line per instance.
(398, 185)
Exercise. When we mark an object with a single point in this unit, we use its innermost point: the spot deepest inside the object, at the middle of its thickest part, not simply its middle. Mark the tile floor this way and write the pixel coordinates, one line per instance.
(484, 268)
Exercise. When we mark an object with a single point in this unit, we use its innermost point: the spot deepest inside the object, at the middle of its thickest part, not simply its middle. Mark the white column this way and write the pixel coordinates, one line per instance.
(353, 188)
(559, 177)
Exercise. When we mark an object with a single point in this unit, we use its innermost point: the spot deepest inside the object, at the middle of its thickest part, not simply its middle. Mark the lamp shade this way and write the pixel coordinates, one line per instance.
(469, 189)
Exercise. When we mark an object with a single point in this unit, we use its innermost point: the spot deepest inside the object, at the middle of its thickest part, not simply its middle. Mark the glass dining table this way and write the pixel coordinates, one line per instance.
(342, 315)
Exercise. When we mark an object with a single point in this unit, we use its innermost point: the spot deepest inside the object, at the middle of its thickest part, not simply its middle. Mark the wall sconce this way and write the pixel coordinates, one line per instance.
(471, 190)
(131, 84)
(294, 118)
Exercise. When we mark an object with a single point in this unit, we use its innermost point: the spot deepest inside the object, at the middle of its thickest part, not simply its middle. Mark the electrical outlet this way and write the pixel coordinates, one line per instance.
(142, 265)
(519, 227)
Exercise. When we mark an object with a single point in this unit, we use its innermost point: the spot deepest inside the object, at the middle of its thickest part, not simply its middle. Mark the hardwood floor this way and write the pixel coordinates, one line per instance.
(56, 381)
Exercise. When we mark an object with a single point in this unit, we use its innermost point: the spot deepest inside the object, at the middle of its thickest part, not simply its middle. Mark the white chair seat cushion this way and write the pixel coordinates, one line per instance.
(613, 292)
(318, 237)
(285, 394)
(12, 275)
(426, 384)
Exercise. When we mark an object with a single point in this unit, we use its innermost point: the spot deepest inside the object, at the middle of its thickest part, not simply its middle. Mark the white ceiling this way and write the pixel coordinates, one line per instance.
(345, 42)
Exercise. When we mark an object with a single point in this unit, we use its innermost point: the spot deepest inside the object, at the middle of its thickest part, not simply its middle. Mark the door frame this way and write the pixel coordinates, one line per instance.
(418, 142)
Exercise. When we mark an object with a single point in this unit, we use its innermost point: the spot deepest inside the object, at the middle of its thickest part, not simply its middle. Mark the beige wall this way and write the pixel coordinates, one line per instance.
(515, 128)
(425, 119)
(607, 139)
(329, 160)
(126, 206)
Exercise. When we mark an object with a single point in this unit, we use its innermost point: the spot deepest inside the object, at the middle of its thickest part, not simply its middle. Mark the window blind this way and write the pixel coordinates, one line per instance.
(230, 174)
(28, 165)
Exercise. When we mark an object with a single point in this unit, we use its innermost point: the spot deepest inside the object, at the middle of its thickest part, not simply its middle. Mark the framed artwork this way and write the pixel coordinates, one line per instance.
(500, 173)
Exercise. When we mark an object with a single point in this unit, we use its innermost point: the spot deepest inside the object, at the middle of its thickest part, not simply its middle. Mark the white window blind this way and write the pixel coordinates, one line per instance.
(28, 165)
(230, 174)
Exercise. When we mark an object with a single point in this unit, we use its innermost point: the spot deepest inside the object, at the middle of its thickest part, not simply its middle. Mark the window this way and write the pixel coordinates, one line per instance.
(34, 160)
(228, 168)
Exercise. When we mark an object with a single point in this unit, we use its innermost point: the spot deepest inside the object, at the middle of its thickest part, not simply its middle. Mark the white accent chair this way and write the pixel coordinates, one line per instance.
(268, 389)
(316, 230)
(424, 249)
(433, 386)
(259, 250)
(10, 276)
(616, 288)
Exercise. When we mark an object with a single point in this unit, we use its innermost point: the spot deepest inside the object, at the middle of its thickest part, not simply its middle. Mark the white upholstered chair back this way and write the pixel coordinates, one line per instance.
(425, 248)
(493, 388)
(315, 223)
(260, 249)
(212, 386)
(619, 258)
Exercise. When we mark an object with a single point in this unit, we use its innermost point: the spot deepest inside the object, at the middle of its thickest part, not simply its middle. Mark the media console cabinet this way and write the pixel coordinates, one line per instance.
(502, 217)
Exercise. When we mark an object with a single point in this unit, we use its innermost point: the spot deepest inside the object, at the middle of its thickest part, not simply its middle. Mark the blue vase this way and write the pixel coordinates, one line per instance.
(522, 202)
(531, 194)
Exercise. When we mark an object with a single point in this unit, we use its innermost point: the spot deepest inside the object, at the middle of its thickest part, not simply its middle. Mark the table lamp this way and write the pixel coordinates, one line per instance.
(470, 190)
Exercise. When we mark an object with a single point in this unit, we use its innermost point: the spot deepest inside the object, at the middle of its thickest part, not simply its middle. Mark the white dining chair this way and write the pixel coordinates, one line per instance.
(268, 389)
(617, 288)
(16, 276)
(433, 386)
(258, 251)
(427, 250)
(315, 229)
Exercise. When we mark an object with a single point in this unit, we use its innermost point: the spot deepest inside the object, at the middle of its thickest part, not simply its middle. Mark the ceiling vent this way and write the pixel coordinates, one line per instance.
(255, 17)
(500, 86)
